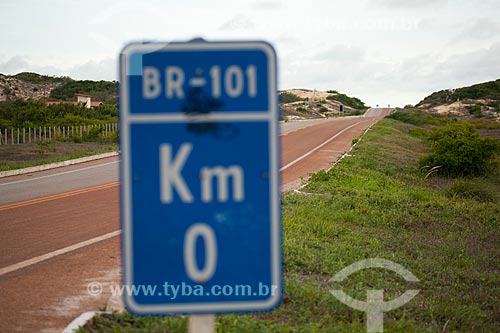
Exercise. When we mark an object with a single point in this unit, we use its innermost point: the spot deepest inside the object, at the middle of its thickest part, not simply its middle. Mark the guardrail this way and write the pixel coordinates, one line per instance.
(50, 133)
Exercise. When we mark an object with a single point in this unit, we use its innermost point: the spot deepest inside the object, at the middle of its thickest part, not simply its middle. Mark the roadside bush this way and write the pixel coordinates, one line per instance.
(475, 110)
(93, 134)
(352, 102)
(459, 150)
(286, 97)
(110, 137)
(417, 117)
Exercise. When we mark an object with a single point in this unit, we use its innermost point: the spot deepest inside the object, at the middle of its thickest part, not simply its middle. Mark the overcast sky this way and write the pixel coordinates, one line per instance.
(382, 51)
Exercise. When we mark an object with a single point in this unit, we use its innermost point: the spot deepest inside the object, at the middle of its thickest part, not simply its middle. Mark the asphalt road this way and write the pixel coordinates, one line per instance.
(59, 228)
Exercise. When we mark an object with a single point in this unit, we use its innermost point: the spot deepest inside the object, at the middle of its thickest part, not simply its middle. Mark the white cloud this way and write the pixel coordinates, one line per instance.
(379, 50)
(472, 67)
(480, 28)
(105, 69)
(267, 5)
(406, 4)
(340, 53)
(237, 22)
(18, 64)
(14, 65)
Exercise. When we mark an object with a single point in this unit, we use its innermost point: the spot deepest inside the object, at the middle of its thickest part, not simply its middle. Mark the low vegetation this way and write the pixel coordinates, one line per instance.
(378, 203)
(352, 102)
(419, 117)
(41, 79)
(44, 152)
(29, 113)
(287, 97)
(487, 90)
(458, 150)
(318, 104)
(104, 91)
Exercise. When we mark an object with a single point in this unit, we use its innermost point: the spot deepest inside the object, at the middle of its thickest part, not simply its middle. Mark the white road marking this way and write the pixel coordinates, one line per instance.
(318, 147)
(60, 173)
(56, 253)
(77, 246)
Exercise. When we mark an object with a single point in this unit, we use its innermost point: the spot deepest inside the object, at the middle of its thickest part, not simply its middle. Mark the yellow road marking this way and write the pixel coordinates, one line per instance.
(58, 196)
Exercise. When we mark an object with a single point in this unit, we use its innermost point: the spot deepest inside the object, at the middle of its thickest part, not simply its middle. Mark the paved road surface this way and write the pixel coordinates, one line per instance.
(50, 182)
(58, 228)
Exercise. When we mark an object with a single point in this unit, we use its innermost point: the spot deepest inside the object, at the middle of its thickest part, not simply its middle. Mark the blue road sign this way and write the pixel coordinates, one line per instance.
(200, 196)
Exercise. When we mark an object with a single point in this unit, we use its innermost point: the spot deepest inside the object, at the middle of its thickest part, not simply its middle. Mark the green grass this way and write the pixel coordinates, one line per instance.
(377, 204)
(287, 97)
(33, 154)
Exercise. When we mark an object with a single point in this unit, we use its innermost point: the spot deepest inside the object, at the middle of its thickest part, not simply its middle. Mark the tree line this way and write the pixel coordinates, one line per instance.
(31, 113)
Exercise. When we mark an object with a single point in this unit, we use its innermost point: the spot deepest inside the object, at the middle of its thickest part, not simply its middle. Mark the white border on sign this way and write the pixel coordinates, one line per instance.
(126, 187)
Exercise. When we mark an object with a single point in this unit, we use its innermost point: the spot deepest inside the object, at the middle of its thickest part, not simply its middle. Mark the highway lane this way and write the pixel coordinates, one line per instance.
(47, 295)
(59, 180)
(50, 182)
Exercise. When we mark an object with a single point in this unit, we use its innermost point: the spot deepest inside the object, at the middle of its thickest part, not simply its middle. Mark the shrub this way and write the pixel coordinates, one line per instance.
(37, 78)
(475, 110)
(93, 134)
(460, 151)
(286, 97)
(352, 102)
(417, 117)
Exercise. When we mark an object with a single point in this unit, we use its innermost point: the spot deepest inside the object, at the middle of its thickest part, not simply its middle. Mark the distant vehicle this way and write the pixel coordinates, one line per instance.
(388, 105)
(377, 105)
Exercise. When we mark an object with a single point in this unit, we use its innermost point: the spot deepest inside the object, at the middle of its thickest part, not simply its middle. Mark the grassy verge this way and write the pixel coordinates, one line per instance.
(27, 155)
(378, 204)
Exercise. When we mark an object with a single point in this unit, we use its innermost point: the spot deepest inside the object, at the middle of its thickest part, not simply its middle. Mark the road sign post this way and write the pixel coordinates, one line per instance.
(200, 177)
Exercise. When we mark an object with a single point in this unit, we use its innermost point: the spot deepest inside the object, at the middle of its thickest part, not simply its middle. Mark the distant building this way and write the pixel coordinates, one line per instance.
(84, 99)
(80, 99)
